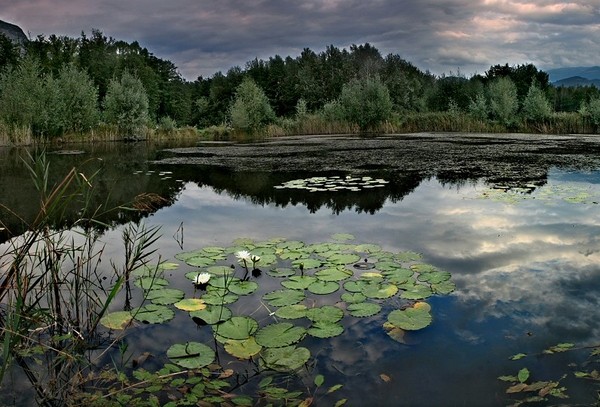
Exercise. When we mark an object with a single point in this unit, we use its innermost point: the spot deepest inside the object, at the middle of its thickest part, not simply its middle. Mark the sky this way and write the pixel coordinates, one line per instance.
(202, 37)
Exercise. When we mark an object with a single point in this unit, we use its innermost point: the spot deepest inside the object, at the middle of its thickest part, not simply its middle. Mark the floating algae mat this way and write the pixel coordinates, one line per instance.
(334, 183)
(360, 281)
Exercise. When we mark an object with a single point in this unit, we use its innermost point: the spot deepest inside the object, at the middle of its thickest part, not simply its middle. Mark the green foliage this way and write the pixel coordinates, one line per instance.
(591, 111)
(126, 105)
(79, 99)
(503, 99)
(478, 107)
(366, 102)
(536, 106)
(9, 53)
(251, 109)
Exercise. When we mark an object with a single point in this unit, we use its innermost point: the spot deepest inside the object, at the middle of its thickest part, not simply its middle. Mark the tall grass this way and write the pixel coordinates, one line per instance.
(53, 292)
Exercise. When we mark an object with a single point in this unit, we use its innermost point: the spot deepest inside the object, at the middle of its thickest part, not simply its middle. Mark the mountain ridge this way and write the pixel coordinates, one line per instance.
(13, 32)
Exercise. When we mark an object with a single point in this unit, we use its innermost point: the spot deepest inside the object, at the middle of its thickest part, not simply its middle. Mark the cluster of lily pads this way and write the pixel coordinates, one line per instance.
(360, 278)
(334, 183)
(569, 193)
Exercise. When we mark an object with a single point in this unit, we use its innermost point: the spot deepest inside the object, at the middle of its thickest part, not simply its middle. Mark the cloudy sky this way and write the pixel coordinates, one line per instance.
(202, 37)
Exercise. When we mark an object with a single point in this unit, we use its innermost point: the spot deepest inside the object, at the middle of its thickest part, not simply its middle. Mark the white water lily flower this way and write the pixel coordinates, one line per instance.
(243, 255)
(202, 278)
(255, 258)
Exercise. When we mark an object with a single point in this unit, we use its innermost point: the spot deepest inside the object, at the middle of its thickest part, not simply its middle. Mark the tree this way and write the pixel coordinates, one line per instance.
(503, 99)
(536, 106)
(79, 99)
(9, 52)
(366, 102)
(478, 107)
(591, 110)
(250, 109)
(126, 104)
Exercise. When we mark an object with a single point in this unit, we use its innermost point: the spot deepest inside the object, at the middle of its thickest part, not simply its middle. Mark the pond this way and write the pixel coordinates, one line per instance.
(514, 219)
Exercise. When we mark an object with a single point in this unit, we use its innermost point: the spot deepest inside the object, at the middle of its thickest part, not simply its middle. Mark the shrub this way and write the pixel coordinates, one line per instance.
(503, 99)
(251, 109)
(126, 105)
(536, 106)
(366, 102)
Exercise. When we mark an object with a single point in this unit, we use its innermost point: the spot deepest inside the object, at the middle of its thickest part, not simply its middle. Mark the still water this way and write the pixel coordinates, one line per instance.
(514, 218)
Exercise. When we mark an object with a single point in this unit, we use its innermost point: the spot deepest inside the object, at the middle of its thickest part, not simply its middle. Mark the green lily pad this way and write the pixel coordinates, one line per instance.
(153, 314)
(343, 258)
(279, 335)
(353, 298)
(423, 268)
(291, 245)
(295, 311)
(117, 320)
(372, 277)
(191, 355)
(281, 272)
(342, 236)
(355, 286)
(219, 297)
(199, 261)
(149, 283)
(435, 277)
(165, 296)
(146, 271)
(323, 287)
(325, 329)
(222, 280)
(286, 359)
(334, 274)
(408, 256)
(191, 304)
(282, 298)
(379, 291)
(368, 248)
(384, 266)
(443, 288)
(298, 282)
(410, 319)
(307, 263)
(398, 276)
(220, 270)
(417, 292)
(326, 313)
(243, 287)
(242, 349)
(293, 255)
(237, 328)
(363, 309)
(212, 314)
(167, 265)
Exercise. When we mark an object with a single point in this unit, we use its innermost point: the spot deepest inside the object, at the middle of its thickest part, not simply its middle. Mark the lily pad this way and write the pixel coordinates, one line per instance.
(153, 314)
(435, 277)
(343, 258)
(279, 335)
(368, 248)
(212, 314)
(281, 272)
(191, 355)
(220, 270)
(342, 236)
(149, 283)
(286, 359)
(355, 286)
(165, 296)
(325, 329)
(117, 320)
(408, 256)
(243, 287)
(282, 298)
(298, 282)
(410, 319)
(243, 349)
(363, 309)
(379, 291)
(443, 288)
(237, 328)
(334, 274)
(326, 313)
(353, 298)
(417, 292)
(307, 263)
(200, 261)
(295, 311)
(323, 287)
(191, 304)
(219, 297)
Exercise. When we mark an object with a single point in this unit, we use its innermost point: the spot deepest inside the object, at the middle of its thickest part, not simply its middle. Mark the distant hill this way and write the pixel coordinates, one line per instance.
(13, 32)
(575, 76)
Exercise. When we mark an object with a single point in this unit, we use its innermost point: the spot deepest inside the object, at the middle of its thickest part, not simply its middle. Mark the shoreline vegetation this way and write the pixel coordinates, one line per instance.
(97, 88)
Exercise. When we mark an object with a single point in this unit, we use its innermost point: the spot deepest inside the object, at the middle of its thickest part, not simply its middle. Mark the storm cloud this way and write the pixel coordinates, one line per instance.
(203, 37)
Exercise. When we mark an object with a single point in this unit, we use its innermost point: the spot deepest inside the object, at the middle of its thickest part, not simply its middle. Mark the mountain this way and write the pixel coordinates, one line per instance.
(575, 76)
(13, 33)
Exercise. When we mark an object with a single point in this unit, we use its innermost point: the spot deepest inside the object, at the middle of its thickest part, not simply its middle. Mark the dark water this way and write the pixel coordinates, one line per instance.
(514, 218)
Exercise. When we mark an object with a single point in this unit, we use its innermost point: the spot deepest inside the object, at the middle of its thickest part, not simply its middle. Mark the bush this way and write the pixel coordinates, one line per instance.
(79, 99)
(251, 109)
(503, 99)
(536, 107)
(366, 103)
(478, 108)
(126, 105)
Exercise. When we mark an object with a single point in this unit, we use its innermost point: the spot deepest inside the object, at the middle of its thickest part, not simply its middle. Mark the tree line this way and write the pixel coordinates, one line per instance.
(62, 85)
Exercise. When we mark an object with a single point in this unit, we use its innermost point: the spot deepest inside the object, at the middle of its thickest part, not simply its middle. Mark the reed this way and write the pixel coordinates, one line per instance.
(53, 291)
